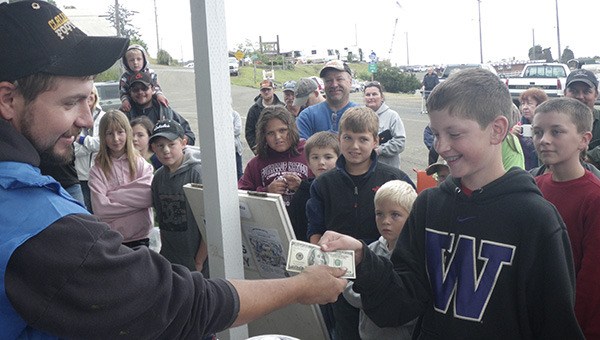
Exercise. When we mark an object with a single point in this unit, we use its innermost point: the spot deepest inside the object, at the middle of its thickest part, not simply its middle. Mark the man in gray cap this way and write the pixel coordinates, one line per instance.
(64, 274)
(307, 93)
(583, 86)
(325, 116)
(289, 97)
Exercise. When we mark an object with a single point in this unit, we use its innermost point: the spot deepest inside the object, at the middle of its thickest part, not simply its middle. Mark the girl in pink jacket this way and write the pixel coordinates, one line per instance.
(120, 182)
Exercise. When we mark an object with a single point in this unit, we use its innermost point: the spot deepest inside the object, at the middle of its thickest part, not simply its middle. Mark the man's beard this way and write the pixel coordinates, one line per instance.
(48, 156)
(47, 153)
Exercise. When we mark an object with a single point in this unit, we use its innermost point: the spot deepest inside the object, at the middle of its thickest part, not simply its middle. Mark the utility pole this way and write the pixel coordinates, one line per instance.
(156, 24)
(533, 36)
(407, 59)
(480, 37)
(557, 29)
(117, 18)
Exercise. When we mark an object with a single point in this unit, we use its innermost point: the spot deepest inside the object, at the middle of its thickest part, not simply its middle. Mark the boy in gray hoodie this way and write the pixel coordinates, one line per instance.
(181, 240)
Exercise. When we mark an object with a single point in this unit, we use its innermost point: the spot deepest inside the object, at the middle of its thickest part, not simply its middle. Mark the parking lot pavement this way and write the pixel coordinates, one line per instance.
(178, 85)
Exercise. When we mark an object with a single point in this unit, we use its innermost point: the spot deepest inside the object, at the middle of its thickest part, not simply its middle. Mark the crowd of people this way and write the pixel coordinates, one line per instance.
(506, 245)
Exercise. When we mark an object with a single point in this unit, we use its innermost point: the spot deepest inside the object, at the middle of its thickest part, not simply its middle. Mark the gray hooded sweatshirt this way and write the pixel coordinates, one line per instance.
(179, 231)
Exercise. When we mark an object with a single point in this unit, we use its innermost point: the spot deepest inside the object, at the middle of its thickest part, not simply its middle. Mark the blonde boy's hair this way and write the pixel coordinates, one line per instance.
(398, 192)
(579, 113)
(322, 139)
(360, 119)
(474, 94)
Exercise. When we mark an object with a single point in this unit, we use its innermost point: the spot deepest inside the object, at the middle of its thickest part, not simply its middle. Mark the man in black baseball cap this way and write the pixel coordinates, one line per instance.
(64, 274)
(583, 85)
(38, 37)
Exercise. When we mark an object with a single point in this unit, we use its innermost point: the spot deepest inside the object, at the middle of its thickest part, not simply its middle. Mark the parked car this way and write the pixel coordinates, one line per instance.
(234, 66)
(189, 65)
(453, 68)
(357, 86)
(108, 92)
(550, 77)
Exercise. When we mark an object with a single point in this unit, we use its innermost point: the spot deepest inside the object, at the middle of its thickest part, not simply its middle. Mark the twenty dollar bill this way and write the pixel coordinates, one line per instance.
(304, 254)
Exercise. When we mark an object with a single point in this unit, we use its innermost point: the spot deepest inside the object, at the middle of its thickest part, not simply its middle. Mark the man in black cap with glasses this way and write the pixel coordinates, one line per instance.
(63, 273)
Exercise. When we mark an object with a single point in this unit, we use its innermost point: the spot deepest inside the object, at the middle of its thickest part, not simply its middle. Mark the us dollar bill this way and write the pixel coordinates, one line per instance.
(304, 254)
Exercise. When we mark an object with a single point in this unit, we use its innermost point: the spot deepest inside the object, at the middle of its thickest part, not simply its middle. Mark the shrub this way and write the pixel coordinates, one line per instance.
(393, 79)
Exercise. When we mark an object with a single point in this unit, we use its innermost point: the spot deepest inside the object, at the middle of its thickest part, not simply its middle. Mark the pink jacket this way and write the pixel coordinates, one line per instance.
(124, 204)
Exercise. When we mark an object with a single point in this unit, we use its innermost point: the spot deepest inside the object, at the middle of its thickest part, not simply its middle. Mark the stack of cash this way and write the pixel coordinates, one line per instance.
(304, 254)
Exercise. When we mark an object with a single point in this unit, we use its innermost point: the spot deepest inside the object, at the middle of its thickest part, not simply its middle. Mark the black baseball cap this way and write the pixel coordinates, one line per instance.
(583, 76)
(38, 37)
(140, 77)
(168, 128)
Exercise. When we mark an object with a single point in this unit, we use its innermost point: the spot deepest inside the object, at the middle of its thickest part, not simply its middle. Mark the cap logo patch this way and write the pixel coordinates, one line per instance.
(61, 25)
(161, 126)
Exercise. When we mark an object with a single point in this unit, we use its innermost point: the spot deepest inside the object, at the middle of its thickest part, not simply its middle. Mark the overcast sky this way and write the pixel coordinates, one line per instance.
(438, 31)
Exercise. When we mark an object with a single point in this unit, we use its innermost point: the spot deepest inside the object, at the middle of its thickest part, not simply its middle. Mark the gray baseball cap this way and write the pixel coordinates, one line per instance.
(304, 87)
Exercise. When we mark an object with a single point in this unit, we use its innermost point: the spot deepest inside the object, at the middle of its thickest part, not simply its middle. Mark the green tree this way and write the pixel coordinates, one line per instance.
(393, 79)
(124, 28)
(535, 52)
(567, 55)
(163, 57)
(547, 55)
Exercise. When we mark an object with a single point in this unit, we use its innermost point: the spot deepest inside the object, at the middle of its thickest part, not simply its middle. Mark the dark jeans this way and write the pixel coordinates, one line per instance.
(433, 156)
(346, 320)
(238, 165)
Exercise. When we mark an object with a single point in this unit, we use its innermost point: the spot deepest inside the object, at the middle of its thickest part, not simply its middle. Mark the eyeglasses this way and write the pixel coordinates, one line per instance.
(142, 88)
(373, 83)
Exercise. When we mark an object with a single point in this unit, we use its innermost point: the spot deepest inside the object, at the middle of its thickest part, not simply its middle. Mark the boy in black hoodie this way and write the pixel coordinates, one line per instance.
(483, 255)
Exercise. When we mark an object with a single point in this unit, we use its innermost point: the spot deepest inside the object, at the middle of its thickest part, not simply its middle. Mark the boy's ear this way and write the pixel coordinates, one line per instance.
(184, 141)
(586, 137)
(499, 129)
(7, 100)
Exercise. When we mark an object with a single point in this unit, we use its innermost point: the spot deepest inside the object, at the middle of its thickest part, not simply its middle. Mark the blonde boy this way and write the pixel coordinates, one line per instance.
(483, 255)
(561, 132)
(181, 240)
(342, 198)
(393, 203)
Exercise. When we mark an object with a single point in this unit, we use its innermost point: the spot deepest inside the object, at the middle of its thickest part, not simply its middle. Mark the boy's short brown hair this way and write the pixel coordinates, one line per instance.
(322, 139)
(360, 119)
(579, 113)
(474, 94)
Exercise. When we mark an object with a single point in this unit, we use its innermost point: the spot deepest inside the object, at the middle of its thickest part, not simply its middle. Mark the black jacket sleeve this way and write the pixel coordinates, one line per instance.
(76, 280)
(250, 128)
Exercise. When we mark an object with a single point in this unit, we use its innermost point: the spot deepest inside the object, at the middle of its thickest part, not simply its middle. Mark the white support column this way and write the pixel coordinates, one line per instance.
(215, 127)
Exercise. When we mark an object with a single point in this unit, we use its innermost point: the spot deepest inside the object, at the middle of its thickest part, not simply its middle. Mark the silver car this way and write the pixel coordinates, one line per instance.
(109, 95)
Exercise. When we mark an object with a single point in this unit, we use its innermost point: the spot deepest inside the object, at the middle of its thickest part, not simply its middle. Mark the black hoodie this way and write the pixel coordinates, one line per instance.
(493, 265)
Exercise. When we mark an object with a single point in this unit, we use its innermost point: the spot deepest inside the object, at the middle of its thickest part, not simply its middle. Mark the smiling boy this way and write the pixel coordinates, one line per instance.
(342, 198)
(483, 255)
(562, 130)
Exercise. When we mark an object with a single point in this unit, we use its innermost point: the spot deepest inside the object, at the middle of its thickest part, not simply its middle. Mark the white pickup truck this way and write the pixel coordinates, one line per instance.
(550, 77)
